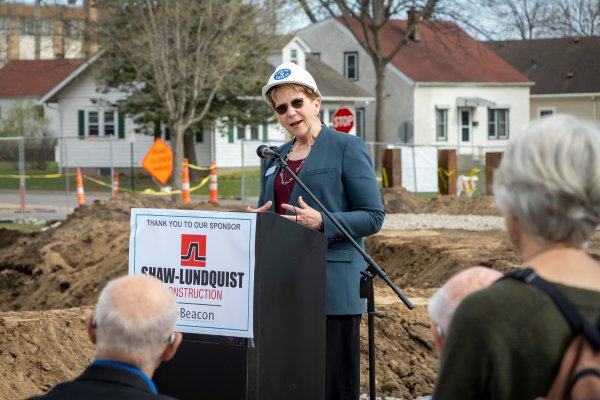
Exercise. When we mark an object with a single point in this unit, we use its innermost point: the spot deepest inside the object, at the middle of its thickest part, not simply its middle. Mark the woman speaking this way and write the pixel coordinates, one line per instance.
(337, 169)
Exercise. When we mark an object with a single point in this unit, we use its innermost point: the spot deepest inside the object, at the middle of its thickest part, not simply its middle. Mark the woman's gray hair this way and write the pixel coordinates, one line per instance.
(549, 178)
(136, 324)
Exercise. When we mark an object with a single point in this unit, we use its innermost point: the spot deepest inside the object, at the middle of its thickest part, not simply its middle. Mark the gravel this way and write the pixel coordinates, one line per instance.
(437, 221)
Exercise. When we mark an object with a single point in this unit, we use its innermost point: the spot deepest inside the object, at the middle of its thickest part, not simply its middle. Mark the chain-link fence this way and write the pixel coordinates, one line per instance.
(32, 167)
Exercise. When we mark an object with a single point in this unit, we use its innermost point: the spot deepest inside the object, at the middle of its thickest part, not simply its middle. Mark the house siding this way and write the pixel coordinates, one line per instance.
(331, 39)
(582, 106)
(100, 152)
(50, 112)
(285, 55)
(515, 98)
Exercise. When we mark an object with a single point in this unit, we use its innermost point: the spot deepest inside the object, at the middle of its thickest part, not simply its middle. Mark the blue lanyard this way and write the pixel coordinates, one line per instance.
(128, 367)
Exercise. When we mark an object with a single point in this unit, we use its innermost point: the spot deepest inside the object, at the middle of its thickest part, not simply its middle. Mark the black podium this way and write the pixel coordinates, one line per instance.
(286, 357)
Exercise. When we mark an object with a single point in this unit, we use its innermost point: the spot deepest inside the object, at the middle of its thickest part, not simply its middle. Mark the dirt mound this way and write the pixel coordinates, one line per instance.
(399, 200)
(427, 259)
(41, 348)
(63, 269)
(67, 266)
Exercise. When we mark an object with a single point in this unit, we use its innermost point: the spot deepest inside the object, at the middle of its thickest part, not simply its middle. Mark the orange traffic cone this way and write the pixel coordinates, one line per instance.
(213, 184)
(185, 183)
(79, 183)
(115, 185)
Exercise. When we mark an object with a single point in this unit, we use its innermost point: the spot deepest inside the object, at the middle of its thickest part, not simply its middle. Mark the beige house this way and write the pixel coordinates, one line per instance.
(565, 72)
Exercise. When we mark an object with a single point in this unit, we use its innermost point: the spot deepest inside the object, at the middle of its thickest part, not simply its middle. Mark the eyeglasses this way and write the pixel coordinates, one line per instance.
(440, 331)
(171, 339)
(283, 108)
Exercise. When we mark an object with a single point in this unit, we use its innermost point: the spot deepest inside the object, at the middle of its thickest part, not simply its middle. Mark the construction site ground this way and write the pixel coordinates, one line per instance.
(50, 279)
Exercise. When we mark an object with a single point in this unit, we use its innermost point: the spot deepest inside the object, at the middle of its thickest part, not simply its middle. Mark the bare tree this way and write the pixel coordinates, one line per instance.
(526, 18)
(372, 15)
(578, 18)
(185, 50)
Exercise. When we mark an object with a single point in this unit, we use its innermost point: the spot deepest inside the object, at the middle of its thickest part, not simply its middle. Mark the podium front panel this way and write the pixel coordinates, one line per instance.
(286, 357)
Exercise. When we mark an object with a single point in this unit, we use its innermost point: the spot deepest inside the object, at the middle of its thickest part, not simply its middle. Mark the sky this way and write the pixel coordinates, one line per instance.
(294, 19)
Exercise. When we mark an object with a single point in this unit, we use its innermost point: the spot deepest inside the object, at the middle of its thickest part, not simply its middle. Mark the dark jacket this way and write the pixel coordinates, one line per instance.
(100, 382)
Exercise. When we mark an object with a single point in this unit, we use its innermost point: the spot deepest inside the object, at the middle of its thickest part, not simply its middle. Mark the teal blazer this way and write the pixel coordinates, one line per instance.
(339, 172)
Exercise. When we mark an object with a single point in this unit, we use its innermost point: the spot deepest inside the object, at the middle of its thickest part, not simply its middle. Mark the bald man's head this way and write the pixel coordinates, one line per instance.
(444, 302)
(134, 317)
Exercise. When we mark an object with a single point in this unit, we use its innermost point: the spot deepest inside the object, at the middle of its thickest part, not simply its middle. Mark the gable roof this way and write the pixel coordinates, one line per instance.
(557, 66)
(446, 53)
(34, 77)
(332, 85)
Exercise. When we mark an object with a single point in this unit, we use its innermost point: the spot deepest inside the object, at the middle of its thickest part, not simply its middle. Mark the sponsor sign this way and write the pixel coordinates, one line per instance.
(206, 259)
(343, 120)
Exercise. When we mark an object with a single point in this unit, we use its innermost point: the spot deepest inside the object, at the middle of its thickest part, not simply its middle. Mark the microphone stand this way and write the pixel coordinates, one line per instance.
(366, 282)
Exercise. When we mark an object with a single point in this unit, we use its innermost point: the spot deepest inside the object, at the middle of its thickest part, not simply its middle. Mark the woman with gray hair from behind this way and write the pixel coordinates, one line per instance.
(507, 340)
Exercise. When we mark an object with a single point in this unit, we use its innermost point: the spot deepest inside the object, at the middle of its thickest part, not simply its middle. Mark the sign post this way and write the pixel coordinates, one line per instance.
(343, 120)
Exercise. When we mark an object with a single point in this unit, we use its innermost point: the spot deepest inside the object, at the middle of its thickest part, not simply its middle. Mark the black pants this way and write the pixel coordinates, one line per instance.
(342, 367)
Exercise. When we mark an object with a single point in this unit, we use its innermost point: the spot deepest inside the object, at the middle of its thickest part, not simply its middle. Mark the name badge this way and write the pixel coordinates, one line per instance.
(271, 170)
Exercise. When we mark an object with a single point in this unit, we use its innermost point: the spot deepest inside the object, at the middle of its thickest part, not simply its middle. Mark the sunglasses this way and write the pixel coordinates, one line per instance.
(283, 108)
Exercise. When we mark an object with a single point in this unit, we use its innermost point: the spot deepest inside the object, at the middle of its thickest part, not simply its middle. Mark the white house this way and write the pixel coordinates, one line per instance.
(95, 135)
(336, 92)
(443, 88)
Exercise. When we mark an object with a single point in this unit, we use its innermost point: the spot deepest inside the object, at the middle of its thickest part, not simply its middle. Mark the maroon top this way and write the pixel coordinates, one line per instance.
(282, 192)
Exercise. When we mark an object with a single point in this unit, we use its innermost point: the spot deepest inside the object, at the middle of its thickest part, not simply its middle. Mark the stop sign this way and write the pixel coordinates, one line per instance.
(343, 120)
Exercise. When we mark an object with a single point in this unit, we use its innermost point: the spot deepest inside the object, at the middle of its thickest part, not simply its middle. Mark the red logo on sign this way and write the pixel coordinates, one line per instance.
(343, 120)
(193, 250)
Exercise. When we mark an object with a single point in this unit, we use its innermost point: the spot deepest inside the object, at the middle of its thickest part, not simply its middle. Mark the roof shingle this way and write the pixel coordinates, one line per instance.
(445, 54)
(34, 77)
(557, 66)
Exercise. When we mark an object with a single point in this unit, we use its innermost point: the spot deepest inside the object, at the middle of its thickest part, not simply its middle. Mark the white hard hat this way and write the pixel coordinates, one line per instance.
(290, 73)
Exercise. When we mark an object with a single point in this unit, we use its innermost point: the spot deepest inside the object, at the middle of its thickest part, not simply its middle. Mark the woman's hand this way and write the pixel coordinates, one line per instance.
(263, 208)
(305, 214)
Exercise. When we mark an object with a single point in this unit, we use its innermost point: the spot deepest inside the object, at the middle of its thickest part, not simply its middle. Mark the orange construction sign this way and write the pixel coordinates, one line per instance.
(159, 161)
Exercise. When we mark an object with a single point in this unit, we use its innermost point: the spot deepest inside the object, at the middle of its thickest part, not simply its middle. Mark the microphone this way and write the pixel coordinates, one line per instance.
(265, 151)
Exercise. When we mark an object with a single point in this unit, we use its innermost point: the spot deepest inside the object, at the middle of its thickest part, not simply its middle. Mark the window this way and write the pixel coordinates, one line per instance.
(93, 123)
(27, 26)
(200, 134)
(316, 55)
(441, 124)
(497, 123)
(360, 122)
(109, 123)
(465, 125)
(546, 111)
(254, 132)
(46, 28)
(100, 123)
(330, 116)
(39, 112)
(73, 28)
(294, 56)
(241, 132)
(351, 65)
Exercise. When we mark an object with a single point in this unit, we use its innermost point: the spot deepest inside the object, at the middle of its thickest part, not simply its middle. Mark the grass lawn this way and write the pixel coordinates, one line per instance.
(229, 184)
(25, 226)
